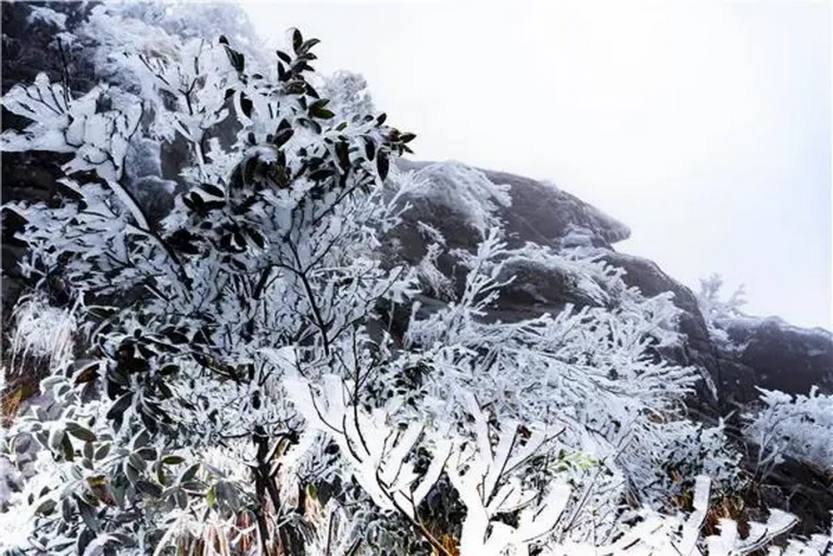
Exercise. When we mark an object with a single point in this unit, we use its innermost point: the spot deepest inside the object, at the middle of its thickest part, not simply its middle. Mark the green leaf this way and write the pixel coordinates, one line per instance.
(149, 487)
(309, 44)
(257, 237)
(343, 154)
(148, 454)
(80, 432)
(317, 109)
(131, 472)
(212, 190)
(88, 514)
(246, 106)
(323, 113)
(282, 136)
(297, 40)
(46, 507)
(69, 450)
(140, 440)
(238, 61)
(309, 88)
(382, 164)
(321, 174)
(136, 462)
(88, 373)
(369, 148)
(170, 369)
(56, 437)
(189, 473)
(102, 451)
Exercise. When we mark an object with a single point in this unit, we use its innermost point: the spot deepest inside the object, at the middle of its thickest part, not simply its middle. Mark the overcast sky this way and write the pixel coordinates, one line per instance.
(705, 126)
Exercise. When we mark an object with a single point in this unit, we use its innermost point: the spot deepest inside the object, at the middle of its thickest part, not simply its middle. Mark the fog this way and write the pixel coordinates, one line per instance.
(704, 126)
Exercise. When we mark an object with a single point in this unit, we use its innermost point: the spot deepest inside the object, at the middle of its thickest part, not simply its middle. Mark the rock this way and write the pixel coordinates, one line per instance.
(544, 214)
(773, 354)
(781, 356)
(539, 212)
(30, 46)
(451, 200)
(799, 489)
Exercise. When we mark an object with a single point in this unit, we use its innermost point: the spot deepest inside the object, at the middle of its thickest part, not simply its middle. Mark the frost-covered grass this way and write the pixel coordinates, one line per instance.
(40, 332)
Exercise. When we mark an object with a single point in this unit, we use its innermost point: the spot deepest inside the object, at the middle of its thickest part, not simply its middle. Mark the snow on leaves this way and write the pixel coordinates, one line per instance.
(97, 137)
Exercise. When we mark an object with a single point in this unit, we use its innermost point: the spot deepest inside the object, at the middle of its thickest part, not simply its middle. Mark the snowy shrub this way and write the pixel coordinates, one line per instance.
(247, 387)
(593, 368)
(800, 427)
(711, 304)
(716, 311)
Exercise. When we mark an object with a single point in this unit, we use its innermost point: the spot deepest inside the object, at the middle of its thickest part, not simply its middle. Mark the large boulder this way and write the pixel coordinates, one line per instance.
(543, 213)
(780, 356)
(530, 210)
(464, 203)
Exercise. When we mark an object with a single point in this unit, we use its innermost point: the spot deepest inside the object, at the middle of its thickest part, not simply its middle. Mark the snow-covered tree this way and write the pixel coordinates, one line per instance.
(271, 246)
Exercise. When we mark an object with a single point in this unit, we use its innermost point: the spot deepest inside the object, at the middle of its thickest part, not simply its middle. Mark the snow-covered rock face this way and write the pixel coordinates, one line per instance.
(458, 202)
(531, 210)
(781, 356)
(463, 203)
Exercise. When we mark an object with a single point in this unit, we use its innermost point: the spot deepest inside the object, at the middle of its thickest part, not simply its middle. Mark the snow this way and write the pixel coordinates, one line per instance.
(465, 191)
(47, 15)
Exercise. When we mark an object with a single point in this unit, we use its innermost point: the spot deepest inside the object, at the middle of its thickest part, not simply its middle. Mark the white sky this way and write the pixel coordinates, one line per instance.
(703, 125)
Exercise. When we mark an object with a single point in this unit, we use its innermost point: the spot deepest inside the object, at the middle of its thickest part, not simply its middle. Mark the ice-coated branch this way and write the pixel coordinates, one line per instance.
(379, 454)
(485, 478)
